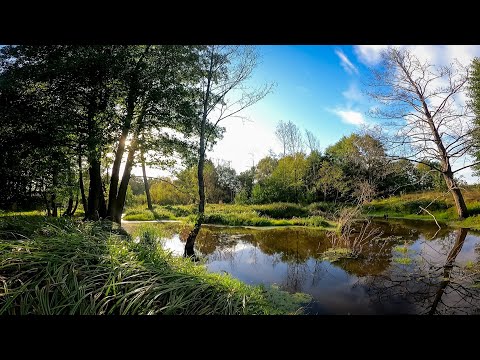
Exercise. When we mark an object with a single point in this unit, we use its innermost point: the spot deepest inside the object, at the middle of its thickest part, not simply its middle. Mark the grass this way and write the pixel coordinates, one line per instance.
(440, 204)
(278, 214)
(64, 266)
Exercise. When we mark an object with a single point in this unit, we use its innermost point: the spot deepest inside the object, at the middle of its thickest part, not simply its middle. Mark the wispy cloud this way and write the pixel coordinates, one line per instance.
(369, 54)
(346, 63)
(350, 116)
(353, 93)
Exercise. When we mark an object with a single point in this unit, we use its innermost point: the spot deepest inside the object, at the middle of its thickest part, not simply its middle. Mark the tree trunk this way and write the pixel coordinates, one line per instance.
(96, 201)
(75, 207)
(122, 190)
(114, 179)
(145, 182)
(190, 243)
(53, 196)
(113, 193)
(68, 211)
(82, 188)
(47, 203)
(462, 211)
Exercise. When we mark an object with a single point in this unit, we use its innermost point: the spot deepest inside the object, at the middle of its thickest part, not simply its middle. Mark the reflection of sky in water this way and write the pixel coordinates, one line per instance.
(292, 259)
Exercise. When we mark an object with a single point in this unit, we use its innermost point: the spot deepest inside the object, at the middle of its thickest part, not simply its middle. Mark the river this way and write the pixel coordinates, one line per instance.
(386, 267)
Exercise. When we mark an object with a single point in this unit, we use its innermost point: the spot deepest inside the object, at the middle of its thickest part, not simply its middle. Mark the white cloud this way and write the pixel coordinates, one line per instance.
(436, 54)
(369, 54)
(350, 116)
(353, 93)
(346, 63)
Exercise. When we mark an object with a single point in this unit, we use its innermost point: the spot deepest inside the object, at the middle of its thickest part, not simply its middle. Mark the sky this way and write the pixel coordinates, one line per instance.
(319, 88)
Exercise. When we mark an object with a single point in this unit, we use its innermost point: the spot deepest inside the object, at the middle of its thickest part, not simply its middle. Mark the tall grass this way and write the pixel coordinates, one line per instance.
(68, 267)
(277, 214)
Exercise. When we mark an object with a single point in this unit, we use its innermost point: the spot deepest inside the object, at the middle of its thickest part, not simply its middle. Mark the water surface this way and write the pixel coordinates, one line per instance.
(411, 267)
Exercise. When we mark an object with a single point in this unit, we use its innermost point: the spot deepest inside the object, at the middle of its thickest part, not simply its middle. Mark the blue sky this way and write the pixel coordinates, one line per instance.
(315, 89)
(319, 88)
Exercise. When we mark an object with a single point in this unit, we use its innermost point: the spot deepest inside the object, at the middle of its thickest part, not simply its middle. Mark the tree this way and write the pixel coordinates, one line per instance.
(290, 137)
(362, 159)
(224, 70)
(474, 95)
(312, 142)
(427, 120)
(227, 182)
(245, 183)
(145, 181)
(157, 95)
(39, 123)
(331, 177)
(313, 164)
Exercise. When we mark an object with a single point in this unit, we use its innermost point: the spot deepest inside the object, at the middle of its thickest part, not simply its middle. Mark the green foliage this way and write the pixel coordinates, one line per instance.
(410, 206)
(403, 260)
(142, 213)
(166, 192)
(469, 265)
(401, 249)
(86, 269)
(281, 210)
(474, 95)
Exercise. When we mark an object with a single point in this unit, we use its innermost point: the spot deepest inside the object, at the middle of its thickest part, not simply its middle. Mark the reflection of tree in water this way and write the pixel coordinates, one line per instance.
(427, 286)
(432, 283)
(297, 267)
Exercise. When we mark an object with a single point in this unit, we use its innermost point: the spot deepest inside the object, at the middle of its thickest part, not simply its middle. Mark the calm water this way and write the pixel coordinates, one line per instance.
(410, 268)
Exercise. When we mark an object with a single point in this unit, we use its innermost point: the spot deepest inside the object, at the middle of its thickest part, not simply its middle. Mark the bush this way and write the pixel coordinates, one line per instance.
(281, 210)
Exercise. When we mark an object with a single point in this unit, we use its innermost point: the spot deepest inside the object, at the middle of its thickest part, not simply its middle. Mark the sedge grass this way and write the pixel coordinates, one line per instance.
(68, 267)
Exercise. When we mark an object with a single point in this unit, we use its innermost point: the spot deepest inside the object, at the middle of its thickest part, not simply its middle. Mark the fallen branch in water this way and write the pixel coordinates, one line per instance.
(436, 222)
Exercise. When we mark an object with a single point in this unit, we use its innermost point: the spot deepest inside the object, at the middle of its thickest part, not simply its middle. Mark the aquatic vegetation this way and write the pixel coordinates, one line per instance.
(401, 249)
(403, 260)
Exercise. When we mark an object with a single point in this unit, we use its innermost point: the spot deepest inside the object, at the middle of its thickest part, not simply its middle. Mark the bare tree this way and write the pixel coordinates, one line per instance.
(290, 136)
(225, 70)
(312, 141)
(427, 119)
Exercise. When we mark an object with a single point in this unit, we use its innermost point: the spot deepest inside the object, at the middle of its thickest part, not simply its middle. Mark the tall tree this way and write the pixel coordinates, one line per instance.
(428, 120)
(157, 100)
(225, 69)
(474, 95)
(145, 181)
(290, 136)
(312, 141)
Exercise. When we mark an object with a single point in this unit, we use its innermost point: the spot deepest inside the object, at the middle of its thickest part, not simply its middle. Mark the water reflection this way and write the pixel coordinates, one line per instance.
(409, 268)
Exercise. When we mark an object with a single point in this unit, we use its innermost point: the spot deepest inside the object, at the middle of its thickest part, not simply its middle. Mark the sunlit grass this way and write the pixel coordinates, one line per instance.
(63, 266)
(440, 204)
(278, 214)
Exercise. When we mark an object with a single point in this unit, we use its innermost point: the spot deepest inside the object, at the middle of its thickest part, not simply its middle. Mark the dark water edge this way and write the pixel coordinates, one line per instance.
(386, 267)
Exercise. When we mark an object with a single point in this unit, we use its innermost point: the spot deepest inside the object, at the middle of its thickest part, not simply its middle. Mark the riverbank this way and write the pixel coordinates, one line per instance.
(439, 205)
(64, 266)
(278, 214)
